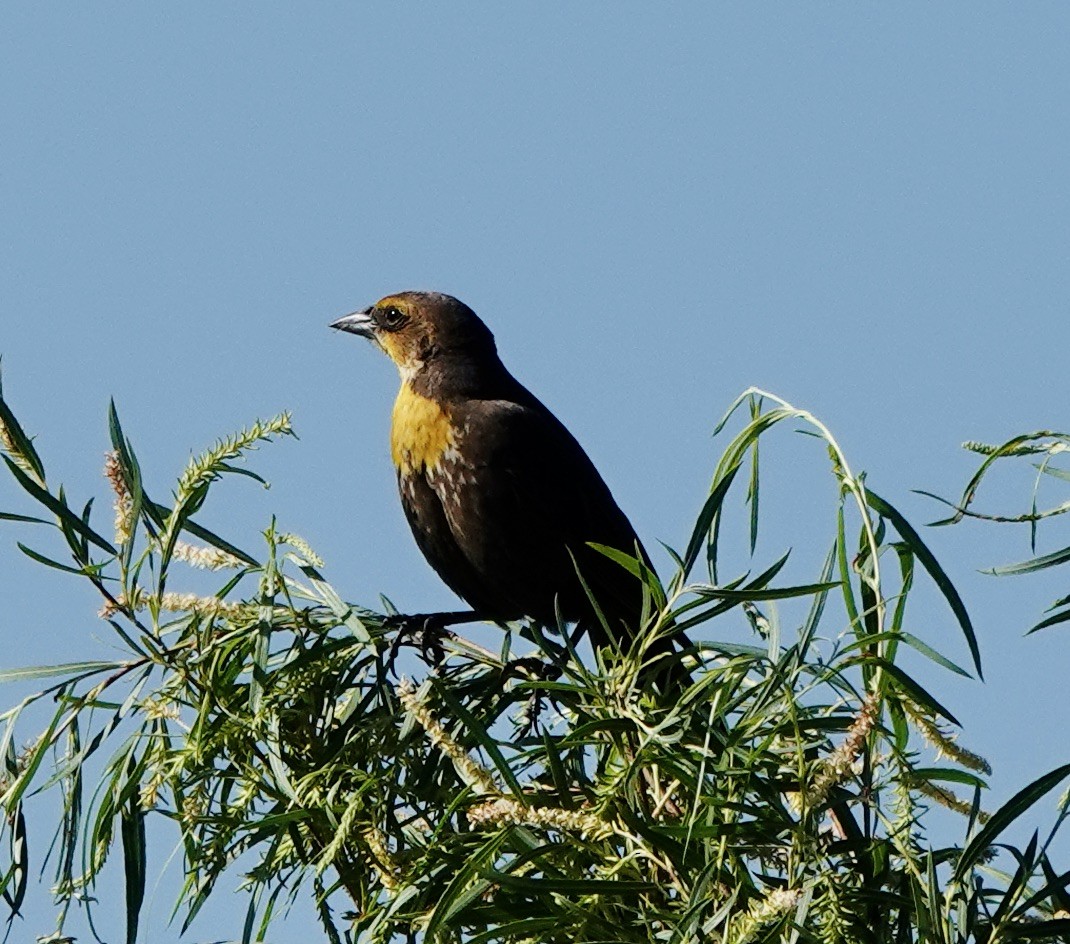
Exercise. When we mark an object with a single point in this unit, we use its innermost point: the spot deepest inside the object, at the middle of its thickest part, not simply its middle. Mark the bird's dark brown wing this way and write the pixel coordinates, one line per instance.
(434, 536)
(521, 499)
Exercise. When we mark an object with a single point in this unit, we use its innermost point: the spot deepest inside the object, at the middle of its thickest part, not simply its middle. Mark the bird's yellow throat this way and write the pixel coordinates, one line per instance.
(420, 432)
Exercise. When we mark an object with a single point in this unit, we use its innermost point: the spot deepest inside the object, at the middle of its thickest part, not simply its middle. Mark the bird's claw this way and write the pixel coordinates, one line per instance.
(425, 631)
(539, 670)
(536, 670)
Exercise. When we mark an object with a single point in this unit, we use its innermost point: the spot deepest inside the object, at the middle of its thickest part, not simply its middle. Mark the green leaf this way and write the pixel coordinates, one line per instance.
(635, 566)
(20, 865)
(204, 534)
(60, 509)
(237, 470)
(467, 885)
(772, 593)
(754, 485)
(23, 444)
(1010, 447)
(7, 516)
(911, 640)
(919, 695)
(948, 774)
(1036, 563)
(564, 886)
(1054, 929)
(929, 562)
(1052, 620)
(57, 671)
(1054, 887)
(1006, 815)
(56, 565)
(484, 739)
(1057, 473)
(132, 833)
(131, 473)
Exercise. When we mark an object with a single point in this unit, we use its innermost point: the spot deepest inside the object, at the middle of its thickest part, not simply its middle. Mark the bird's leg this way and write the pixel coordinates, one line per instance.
(426, 630)
(535, 670)
(538, 669)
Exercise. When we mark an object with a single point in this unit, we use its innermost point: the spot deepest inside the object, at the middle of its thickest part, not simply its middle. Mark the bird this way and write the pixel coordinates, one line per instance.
(501, 498)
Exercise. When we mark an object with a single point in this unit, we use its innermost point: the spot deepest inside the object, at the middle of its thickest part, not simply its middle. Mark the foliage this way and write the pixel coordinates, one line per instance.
(781, 795)
(1050, 448)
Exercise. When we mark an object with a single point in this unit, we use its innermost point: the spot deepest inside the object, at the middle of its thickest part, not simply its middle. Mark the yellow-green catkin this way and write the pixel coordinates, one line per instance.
(944, 743)
(124, 505)
(946, 798)
(204, 558)
(510, 812)
(207, 466)
(175, 603)
(762, 913)
(381, 859)
(7, 444)
(302, 547)
(837, 766)
(475, 776)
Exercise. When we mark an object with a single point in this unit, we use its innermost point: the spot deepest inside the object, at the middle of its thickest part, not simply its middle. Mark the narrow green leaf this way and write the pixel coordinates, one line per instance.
(636, 566)
(771, 593)
(919, 695)
(61, 510)
(565, 886)
(466, 885)
(1054, 887)
(1006, 815)
(1052, 620)
(754, 485)
(23, 444)
(30, 766)
(1019, 882)
(48, 562)
(346, 615)
(130, 470)
(484, 740)
(269, 588)
(57, 671)
(204, 534)
(75, 540)
(1054, 929)
(522, 929)
(20, 861)
(701, 531)
(912, 641)
(1010, 447)
(1056, 472)
(1036, 563)
(7, 516)
(237, 470)
(950, 775)
(132, 832)
(929, 562)
(817, 606)
(844, 565)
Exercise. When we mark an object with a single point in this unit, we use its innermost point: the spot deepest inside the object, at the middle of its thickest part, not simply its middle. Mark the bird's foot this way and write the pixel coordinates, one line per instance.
(536, 670)
(425, 631)
(533, 667)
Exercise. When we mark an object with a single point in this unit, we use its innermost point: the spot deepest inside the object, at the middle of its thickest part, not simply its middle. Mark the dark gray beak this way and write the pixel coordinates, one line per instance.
(359, 322)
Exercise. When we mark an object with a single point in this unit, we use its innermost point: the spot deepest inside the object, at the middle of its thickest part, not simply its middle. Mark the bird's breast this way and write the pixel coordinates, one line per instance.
(420, 433)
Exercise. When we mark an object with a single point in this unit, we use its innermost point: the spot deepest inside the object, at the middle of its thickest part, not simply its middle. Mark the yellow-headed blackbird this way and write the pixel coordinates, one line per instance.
(501, 498)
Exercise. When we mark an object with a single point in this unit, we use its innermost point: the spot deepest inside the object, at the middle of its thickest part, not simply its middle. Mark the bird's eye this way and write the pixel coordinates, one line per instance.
(392, 318)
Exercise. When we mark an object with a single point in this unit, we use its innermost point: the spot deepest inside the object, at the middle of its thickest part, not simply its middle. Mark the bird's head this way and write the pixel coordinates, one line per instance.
(415, 328)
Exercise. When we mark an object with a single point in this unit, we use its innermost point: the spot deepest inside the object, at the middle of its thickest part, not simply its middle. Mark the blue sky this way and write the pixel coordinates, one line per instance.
(863, 208)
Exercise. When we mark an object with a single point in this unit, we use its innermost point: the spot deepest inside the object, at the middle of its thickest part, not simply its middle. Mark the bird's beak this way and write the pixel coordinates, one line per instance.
(359, 322)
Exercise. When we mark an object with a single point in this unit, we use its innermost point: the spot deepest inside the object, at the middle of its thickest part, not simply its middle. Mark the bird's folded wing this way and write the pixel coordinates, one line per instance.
(523, 501)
